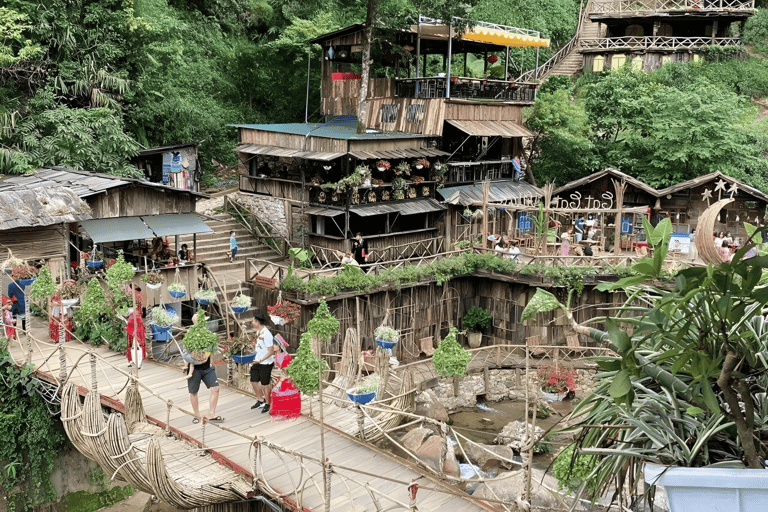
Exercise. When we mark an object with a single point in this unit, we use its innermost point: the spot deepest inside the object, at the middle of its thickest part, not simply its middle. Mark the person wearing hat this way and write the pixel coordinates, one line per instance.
(264, 361)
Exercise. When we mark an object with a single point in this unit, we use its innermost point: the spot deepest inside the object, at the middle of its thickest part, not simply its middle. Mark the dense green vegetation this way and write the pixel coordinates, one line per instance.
(30, 439)
(676, 123)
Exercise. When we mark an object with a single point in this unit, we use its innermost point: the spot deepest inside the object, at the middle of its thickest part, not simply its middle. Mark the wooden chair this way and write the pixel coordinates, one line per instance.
(573, 345)
(533, 343)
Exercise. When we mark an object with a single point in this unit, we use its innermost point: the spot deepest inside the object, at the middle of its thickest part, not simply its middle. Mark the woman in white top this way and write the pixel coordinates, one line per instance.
(719, 240)
(514, 251)
(728, 239)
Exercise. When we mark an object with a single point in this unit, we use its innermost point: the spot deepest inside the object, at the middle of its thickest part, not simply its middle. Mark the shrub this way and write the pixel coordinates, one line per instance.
(477, 318)
(572, 470)
(449, 357)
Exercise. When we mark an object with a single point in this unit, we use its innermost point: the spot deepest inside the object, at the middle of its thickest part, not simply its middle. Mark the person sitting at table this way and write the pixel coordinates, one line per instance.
(728, 238)
(184, 254)
(157, 247)
(514, 251)
(349, 259)
(500, 249)
(719, 240)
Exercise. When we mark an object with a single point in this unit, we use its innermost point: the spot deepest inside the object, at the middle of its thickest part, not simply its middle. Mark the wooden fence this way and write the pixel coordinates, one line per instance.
(631, 6)
(630, 43)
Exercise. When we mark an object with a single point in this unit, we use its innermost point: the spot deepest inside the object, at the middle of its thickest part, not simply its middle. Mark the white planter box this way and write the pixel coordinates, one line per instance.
(711, 489)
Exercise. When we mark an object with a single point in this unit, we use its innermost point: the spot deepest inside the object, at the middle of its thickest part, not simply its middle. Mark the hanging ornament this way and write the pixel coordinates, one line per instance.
(330, 53)
(678, 216)
(737, 217)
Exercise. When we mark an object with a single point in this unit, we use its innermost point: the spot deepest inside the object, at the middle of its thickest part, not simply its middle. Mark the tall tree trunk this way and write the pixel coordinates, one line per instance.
(362, 101)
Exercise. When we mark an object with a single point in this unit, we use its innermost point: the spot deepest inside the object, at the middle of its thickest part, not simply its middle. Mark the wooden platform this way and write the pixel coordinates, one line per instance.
(355, 463)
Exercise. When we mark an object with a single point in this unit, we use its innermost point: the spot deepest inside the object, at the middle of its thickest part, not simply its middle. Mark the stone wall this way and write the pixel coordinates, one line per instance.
(268, 209)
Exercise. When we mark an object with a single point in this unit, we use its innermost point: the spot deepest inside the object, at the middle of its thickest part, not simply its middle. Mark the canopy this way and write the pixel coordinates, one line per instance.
(498, 192)
(117, 229)
(423, 205)
(490, 128)
(500, 37)
(258, 149)
(176, 224)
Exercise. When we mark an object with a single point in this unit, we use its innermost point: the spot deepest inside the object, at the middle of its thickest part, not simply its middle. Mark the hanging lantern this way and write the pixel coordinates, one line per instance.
(658, 204)
(330, 53)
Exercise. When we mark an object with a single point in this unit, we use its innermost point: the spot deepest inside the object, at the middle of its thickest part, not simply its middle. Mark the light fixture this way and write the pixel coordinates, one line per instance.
(669, 196)
(330, 53)
(658, 204)
(327, 167)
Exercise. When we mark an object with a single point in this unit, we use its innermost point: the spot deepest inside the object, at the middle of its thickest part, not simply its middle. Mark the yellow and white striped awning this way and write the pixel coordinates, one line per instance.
(502, 37)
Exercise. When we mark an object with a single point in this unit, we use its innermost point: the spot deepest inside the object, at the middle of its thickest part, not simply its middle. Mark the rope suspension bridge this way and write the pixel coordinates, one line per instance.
(149, 440)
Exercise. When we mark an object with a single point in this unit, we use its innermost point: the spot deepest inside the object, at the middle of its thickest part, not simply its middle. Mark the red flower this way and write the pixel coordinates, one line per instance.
(492, 59)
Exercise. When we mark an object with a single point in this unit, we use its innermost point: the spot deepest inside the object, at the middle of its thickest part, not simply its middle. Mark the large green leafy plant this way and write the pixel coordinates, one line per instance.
(198, 338)
(305, 368)
(449, 357)
(93, 311)
(323, 325)
(689, 380)
(43, 287)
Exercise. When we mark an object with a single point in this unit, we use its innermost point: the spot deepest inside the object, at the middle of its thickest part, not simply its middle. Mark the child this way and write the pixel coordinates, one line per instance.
(8, 320)
(232, 246)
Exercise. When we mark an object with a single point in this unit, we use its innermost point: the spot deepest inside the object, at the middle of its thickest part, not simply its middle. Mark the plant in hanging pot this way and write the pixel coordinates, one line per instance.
(68, 292)
(241, 350)
(241, 303)
(556, 382)
(422, 163)
(284, 312)
(205, 296)
(476, 319)
(177, 290)
(95, 259)
(366, 391)
(383, 165)
(385, 336)
(199, 341)
(364, 176)
(93, 311)
(403, 169)
(323, 324)
(449, 357)
(305, 368)
(120, 272)
(163, 319)
(24, 274)
(154, 280)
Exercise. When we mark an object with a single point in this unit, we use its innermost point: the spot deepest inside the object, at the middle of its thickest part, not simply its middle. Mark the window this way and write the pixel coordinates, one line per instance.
(637, 62)
(598, 63)
(618, 60)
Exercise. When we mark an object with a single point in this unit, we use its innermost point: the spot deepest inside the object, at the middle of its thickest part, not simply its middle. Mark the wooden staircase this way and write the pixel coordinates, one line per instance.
(568, 61)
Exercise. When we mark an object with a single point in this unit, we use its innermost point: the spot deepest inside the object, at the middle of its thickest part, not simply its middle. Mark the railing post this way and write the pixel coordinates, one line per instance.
(94, 381)
(255, 462)
(62, 365)
(168, 404)
(328, 469)
(360, 421)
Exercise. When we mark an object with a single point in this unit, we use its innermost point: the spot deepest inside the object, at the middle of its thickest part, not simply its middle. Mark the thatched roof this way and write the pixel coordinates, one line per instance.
(41, 207)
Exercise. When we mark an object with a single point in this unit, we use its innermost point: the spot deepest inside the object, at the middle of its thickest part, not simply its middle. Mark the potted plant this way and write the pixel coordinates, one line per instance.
(305, 368)
(24, 274)
(685, 381)
(383, 165)
(403, 169)
(555, 382)
(284, 312)
(323, 324)
(422, 163)
(119, 272)
(366, 391)
(163, 319)
(476, 319)
(205, 296)
(241, 303)
(199, 341)
(449, 357)
(417, 179)
(399, 185)
(364, 176)
(386, 337)
(177, 290)
(93, 311)
(154, 280)
(239, 350)
(95, 260)
(68, 292)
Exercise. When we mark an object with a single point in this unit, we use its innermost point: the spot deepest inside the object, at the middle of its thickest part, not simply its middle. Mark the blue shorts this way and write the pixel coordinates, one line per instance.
(207, 376)
(234, 252)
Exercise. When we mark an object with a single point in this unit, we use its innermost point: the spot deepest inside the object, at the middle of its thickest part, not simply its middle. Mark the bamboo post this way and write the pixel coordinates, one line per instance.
(486, 192)
(327, 496)
(620, 187)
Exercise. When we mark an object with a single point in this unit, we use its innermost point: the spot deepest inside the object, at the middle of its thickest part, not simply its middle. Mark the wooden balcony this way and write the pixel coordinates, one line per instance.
(383, 248)
(459, 172)
(633, 7)
(651, 43)
(465, 88)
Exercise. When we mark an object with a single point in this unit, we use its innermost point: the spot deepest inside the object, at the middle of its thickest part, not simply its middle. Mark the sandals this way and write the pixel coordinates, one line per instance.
(217, 419)
(195, 420)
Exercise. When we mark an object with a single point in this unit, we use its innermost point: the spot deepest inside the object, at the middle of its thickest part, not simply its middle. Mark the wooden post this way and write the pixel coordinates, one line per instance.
(486, 192)
(326, 482)
(67, 259)
(620, 187)
(714, 31)
(456, 382)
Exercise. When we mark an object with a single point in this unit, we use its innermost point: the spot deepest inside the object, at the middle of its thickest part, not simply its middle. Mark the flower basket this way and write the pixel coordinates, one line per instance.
(360, 398)
(553, 397)
(241, 303)
(277, 320)
(385, 343)
(247, 359)
(154, 286)
(26, 282)
(177, 294)
(287, 311)
(161, 333)
(239, 309)
(205, 297)
(94, 263)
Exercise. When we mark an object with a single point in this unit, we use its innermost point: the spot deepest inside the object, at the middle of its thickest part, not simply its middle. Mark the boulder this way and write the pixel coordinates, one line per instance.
(430, 453)
(415, 438)
(428, 404)
(513, 434)
(487, 460)
(508, 487)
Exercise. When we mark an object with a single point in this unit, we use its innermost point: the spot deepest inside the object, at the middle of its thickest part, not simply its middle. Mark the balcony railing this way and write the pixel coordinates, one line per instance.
(655, 42)
(459, 172)
(630, 6)
(465, 88)
(367, 195)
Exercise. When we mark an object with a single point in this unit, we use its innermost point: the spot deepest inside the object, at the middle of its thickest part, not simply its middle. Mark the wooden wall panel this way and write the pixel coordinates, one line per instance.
(410, 115)
(487, 112)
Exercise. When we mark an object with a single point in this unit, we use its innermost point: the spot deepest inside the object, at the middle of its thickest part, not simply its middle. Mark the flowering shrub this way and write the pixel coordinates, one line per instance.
(288, 311)
(422, 161)
(24, 272)
(556, 379)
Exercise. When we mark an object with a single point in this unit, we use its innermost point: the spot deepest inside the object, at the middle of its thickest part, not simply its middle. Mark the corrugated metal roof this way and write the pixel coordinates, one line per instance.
(322, 211)
(613, 172)
(117, 229)
(41, 207)
(327, 130)
(423, 205)
(257, 149)
(176, 224)
(82, 183)
(490, 128)
(397, 153)
(499, 192)
(163, 149)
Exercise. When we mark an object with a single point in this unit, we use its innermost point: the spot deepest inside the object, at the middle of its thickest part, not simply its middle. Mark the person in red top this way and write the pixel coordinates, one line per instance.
(285, 398)
(8, 320)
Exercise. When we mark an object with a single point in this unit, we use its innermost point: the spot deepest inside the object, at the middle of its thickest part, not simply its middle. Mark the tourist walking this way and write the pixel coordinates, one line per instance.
(286, 400)
(232, 246)
(261, 369)
(205, 373)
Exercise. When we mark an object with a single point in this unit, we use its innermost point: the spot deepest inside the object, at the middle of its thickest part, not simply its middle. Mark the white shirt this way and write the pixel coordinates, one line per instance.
(512, 252)
(718, 242)
(500, 251)
(264, 340)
